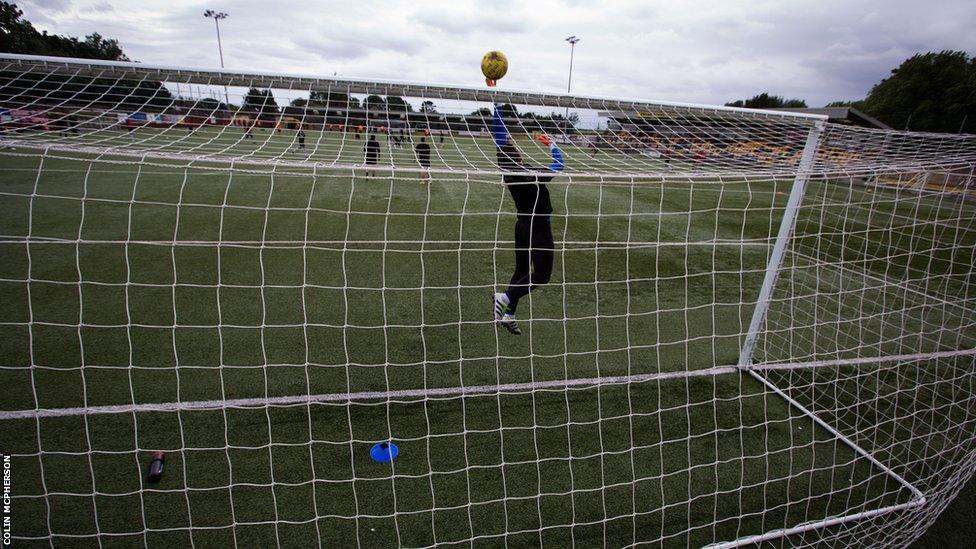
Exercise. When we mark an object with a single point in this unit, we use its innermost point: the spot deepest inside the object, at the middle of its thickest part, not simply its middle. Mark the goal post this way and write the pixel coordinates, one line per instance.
(756, 325)
(786, 227)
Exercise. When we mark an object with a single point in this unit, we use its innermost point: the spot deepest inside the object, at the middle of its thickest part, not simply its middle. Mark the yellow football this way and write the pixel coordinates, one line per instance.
(494, 65)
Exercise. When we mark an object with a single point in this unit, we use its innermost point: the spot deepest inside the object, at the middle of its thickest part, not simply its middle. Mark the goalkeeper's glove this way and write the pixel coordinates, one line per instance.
(545, 140)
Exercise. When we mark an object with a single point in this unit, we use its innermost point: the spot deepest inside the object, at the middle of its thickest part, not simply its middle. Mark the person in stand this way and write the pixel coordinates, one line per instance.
(422, 150)
(372, 152)
(60, 123)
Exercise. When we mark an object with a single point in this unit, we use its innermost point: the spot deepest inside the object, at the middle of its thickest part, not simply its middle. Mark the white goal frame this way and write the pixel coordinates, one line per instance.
(774, 266)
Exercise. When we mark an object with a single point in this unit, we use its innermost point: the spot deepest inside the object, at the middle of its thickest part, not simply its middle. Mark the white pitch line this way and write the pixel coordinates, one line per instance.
(457, 391)
(359, 396)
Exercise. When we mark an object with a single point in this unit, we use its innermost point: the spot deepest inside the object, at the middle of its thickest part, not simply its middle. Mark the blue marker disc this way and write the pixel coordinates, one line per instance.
(384, 452)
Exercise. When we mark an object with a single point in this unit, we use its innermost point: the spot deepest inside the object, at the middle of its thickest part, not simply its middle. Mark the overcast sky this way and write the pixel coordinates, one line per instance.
(708, 51)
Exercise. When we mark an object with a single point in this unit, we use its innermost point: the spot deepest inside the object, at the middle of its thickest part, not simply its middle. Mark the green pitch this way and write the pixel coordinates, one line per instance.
(343, 148)
(203, 285)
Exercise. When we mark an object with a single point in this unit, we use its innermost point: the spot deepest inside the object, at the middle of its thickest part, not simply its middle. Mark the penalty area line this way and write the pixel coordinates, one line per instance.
(361, 396)
(556, 384)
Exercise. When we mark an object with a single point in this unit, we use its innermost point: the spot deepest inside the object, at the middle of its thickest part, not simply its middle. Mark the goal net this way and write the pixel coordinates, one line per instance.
(749, 325)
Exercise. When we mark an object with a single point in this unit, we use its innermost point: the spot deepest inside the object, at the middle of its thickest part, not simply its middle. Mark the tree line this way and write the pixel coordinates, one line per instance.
(18, 35)
(929, 92)
(766, 101)
(932, 92)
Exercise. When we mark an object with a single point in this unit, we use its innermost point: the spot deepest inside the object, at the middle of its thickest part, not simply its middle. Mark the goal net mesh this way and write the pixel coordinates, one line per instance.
(758, 325)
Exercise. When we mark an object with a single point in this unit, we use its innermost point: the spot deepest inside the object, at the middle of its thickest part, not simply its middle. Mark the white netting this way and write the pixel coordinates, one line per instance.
(758, 325)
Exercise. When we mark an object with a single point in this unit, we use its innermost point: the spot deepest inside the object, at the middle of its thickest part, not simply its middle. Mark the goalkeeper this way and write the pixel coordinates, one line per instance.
(533, 225)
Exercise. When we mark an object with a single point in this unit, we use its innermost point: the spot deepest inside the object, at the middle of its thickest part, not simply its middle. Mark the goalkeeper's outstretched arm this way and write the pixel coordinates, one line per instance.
(558, 163)
(498, 130)
(499, 133)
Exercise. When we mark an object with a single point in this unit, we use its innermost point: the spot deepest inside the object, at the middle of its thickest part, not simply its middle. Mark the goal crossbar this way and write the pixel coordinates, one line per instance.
(279, 80)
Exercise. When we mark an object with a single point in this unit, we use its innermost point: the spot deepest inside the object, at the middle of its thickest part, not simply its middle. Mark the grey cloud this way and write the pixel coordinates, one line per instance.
(48, 5)
(331, 49)
(462, 22)
(355, 46)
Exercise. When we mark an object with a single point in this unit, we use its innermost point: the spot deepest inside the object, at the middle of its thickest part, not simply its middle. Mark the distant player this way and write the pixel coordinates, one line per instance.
(247, 132)
(372, 152)
(422, 151)
(301, 138)
(533, 225)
